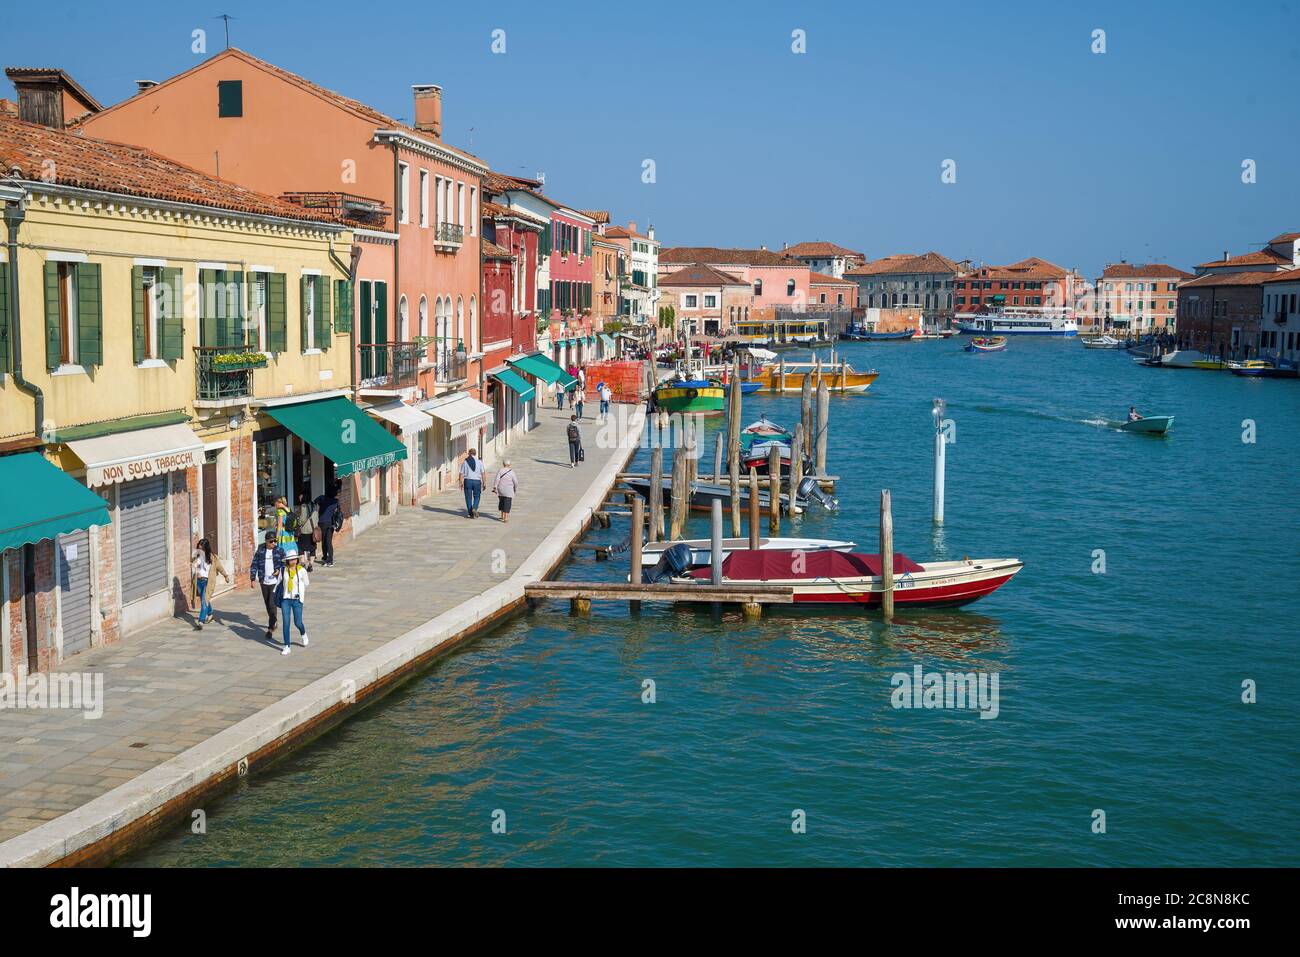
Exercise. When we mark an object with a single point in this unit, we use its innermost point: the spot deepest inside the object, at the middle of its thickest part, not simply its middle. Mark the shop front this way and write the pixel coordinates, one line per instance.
(461, 421)
(513, 404)
(307, 446)
(48, 598)
(142, 474)
(411, 428)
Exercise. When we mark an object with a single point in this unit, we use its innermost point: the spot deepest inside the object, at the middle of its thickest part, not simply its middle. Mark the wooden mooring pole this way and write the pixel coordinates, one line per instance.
(774, 491)
(717, 459)
(806, 406)
(634, 574)
(715, 542)
(823, 415)
(886, 554)
(796, 466)
(680, 494)
(656, 493)
(754, 512)
(734, 405)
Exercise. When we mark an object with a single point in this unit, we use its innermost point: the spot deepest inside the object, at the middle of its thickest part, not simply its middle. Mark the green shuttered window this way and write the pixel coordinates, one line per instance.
(277, 313)
(342, 305)
(74, 332)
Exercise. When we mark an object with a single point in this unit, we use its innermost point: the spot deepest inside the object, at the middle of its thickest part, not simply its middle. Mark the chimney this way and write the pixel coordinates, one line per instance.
(631, 225)
(1225, 256)
(763, 248)
(49, 97)
(142, 85)
(650, 233)
(428, 109)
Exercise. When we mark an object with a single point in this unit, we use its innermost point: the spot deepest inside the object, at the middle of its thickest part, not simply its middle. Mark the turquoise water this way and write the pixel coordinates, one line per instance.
(1118, 691)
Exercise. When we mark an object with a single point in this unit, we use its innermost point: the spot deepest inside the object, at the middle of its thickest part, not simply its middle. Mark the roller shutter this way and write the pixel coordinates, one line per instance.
(142, 531)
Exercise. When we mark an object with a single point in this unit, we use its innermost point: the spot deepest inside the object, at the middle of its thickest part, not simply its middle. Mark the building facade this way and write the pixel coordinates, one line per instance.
(163, 338)
(1032, 285)
(1136, 299)
(826, 258)
(706, 301)
(906, 281)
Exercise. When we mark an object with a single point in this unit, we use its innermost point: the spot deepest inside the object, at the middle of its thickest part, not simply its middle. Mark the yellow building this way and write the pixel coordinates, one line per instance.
(180, 346)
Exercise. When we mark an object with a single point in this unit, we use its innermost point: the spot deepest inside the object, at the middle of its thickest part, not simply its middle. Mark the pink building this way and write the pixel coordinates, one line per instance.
(777, 281)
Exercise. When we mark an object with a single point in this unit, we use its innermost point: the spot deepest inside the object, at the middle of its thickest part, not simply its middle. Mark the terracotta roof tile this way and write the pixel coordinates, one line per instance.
(1031, 268)
(821, 279)
(88, 163)
(598, 215)
(684, 255)
(1212, 279)
(1145, 271)
(701, 274)
(1264, 257)
(1284, 238)
(1287, 275)
(493, 251)
(819, 249)
(905, 264)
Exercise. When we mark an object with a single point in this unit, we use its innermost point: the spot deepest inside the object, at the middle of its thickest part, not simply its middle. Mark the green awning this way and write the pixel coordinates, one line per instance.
(515, 383)
(341, 432)
(545, 368)
(40, 501)
(607, 340)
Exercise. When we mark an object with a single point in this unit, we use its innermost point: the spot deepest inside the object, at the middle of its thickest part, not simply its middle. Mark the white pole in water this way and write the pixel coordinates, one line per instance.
(715, 542)
(939, 459)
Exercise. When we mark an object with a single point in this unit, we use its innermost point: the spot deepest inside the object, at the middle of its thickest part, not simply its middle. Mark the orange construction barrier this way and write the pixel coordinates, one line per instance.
(625, 379)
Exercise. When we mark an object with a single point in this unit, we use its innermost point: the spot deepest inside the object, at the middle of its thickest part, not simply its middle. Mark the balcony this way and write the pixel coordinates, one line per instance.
(223, 375)
(448, 236)
(389, 365)
(450, 365)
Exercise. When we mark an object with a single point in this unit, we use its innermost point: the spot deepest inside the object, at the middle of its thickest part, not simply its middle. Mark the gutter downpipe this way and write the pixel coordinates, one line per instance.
(350, 270)
(15, 199)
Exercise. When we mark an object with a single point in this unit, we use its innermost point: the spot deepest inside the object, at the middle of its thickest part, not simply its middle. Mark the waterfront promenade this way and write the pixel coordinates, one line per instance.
(183, 707)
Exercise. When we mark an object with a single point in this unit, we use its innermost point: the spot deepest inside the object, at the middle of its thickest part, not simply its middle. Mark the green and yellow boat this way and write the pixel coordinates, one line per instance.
(696, 396)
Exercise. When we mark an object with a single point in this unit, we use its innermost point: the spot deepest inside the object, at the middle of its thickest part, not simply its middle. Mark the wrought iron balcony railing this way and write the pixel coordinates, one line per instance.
(389, 365)
(450, 234)
(223, 373)
(450, 365)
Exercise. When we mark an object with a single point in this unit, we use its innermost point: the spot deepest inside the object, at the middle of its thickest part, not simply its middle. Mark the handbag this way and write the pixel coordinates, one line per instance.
(316, 535)
(582, 454)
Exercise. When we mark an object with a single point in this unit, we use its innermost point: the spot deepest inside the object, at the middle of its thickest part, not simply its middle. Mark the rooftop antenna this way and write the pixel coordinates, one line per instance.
(227, 18)
(471, 137)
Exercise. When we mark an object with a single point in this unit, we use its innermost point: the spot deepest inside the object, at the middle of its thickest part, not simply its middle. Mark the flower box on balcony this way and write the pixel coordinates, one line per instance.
(238, 361)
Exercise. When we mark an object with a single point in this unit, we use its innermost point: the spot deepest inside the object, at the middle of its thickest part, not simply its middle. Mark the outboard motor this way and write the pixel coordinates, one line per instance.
(673, 563)
(811, 491)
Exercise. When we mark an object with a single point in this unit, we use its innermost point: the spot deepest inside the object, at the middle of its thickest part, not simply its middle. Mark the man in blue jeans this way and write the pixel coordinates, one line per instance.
(471, 480)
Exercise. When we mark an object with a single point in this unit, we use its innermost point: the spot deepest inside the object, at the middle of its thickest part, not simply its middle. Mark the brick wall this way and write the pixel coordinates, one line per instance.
(104, 555)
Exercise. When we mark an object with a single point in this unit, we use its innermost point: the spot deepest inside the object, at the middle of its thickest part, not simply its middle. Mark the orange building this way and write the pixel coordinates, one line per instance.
(412, 199)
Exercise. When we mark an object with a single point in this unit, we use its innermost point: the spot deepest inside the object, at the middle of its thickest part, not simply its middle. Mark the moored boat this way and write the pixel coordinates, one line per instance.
(701, 397)
(837, 378)
(703, 495)
(987, 344)
(1101, 342)
(1263, 369)
(701, 554)
(856, 579)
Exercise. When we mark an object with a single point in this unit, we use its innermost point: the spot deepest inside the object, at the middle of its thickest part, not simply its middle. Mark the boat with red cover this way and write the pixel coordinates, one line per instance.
(854, 578)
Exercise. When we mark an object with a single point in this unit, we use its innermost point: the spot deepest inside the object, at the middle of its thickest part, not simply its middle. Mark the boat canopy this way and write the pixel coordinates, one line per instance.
(776, 565)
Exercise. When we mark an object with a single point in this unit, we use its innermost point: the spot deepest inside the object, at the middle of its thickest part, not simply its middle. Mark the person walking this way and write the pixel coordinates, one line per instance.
(308, 522)
(284, 520)
(606, 396)
(575, 442)
(472, 473)
(267, 566)
(329, 519)
(506, 485)
(579, 399)
(559, 397)
(290, 595)
(204, 564)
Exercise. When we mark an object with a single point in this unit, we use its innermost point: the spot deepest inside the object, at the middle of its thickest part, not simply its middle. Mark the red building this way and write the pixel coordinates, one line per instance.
(571, 263)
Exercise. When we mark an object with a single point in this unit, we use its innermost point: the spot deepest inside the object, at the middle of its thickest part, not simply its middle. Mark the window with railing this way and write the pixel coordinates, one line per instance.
(451, 233)
(225, 372)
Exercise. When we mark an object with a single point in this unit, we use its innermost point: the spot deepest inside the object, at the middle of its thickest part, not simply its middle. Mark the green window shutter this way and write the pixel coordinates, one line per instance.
(322, 313)
(367, 329)
(343, 305)
(4, 317)
(221, 304)
(302, 313)
(381, 312)
(137, 313)
(90, 316)
(236, 334)
(207, 308)
(173, 317)
(230, 98)
(53, 334)
(277, 313)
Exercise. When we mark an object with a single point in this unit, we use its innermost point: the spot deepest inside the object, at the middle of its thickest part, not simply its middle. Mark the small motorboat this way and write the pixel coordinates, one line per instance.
(700, 396)
(1263, 369)
(1211, 364)
(766, 429)
(890, 336)
(746, 388)
(701, 548)
(703, 495)
(855, 579)
(987, 344)
(1101, 342)
(1151, 424)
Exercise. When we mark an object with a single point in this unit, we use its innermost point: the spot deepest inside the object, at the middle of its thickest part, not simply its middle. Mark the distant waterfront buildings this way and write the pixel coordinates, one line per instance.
(1137, 299)
(903, 280)
(826, 258)
(1221, 311)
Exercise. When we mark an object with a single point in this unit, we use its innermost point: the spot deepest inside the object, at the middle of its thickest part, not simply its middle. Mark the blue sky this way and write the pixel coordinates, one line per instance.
(1075, 156)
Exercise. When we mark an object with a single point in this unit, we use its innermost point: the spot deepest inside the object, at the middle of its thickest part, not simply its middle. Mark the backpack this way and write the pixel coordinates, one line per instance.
(291, 522)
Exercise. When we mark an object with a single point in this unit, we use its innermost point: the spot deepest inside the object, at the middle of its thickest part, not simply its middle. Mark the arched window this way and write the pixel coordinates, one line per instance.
(440, 320)
(758, 287)
(424, 317)
(789, 287)
(403, 321)
(460, 319)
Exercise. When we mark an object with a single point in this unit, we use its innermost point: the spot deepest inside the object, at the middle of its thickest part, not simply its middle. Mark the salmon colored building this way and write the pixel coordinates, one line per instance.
(777, 280)
(412, 201)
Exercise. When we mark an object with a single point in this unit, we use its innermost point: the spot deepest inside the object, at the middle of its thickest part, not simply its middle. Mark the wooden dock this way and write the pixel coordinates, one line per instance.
(751, 598)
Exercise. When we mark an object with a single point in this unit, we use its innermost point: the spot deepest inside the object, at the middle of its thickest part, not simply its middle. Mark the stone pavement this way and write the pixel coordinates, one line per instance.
(170, 686)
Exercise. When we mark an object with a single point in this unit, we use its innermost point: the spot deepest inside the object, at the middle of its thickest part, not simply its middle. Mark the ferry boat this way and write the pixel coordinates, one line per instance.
(1017, 322)
(855, 579)
(853, 381)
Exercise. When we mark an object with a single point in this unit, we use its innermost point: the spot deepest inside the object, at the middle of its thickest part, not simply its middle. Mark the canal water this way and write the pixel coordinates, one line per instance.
(1119, 690)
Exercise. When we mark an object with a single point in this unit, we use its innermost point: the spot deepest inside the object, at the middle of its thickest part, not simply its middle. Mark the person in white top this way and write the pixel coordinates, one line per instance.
(472, 474)
(290, 595)
(201, 569)
(506, 485)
